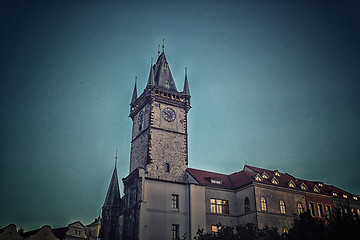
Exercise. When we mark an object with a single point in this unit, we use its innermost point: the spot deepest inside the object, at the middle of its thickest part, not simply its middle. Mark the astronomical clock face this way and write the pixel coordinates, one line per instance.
(168, 114)
(141, 117)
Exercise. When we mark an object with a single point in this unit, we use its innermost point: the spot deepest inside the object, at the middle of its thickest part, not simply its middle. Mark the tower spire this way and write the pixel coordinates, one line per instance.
(134, 96)
(163, 45)
(186, 90)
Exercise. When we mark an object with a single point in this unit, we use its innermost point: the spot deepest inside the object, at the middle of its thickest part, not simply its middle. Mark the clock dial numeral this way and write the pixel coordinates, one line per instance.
(168, 114)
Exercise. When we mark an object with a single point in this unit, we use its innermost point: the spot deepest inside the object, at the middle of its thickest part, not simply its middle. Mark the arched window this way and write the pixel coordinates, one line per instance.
(282, 207)
(300, 208)
(263, 204)
(247, 205)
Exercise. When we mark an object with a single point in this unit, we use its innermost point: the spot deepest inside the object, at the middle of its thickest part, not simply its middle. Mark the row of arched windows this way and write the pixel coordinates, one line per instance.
(263, 205)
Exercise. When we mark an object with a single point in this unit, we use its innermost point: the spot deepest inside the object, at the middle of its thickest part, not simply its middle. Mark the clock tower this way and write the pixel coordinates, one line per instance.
(159, 133)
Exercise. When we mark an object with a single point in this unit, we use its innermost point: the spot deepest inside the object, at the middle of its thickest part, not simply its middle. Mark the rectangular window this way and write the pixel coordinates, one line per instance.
(167, 167)
(175, 201)
(175, 231)
(328, 211)
(219, 206)
(312, 209)
(320, 208)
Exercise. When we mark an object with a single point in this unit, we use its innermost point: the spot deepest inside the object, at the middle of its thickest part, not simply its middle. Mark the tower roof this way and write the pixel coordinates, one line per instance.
(163, 78)
(113, 193)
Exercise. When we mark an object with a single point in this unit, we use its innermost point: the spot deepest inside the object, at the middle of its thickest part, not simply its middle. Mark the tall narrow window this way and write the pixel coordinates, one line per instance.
(175, 201)
(167, 167)
(247, 205)
(175, 231)
(312, 209)
(214, 229)
(320, 208)
(213, 205)
(328, 211)
(300, 208)
(282, 207)
(263, 204)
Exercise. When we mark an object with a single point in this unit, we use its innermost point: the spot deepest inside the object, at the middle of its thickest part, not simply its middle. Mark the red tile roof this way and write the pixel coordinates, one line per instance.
(248, 174)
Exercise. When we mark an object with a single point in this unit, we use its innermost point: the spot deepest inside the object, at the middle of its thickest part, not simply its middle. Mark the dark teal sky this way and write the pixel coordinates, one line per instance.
(275, 84)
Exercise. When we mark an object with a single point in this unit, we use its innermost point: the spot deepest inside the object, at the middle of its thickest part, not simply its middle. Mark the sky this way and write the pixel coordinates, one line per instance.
(274, 84)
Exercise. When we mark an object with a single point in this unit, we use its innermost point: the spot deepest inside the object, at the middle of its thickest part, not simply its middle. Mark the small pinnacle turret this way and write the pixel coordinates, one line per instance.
(186, 90)
(151, 80)
(134, 96)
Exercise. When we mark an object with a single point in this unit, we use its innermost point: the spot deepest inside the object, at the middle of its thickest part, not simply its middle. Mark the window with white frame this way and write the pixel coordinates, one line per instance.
(175, 201)
(175, 231)
(219, 206)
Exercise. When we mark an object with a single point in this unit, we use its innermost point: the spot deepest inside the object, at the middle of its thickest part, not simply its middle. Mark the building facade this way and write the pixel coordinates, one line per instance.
(165, 199)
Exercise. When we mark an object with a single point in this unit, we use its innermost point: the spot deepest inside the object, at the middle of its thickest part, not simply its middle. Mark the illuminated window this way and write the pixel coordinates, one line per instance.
(300, 208)
(358, 212)
(247, 205)
(303, 186)
(277, 173)
(175, 201)
(355, 198)
(316, 189)
(258, 178)
(320, 209)
(282, 207)
(334, 194)
(285, 230)
(353, 211)
(328, 211)
(321, 185)
(264, 175)
(175, 231)
(291, 184)
(345, 196)
(214, 228)
(216, 181)
(263, 204)
(219, 206)
(312, 209)
(274, 181)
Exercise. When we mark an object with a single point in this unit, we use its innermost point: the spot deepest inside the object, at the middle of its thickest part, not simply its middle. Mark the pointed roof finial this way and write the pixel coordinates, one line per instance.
(163, 46)
(134, 96)
(186, 90)
(116, 158)
(158, 50)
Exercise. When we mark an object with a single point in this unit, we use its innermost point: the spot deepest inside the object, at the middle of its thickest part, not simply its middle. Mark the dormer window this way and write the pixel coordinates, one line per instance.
(215, 181)
(165, 64)
(345, 196)
(316, 189)
(264, 175)
(321, 185)
(274, 181)
(334, 194)
(292, 184)
(258, 178)
(355, 198)
(303, 186)
(277, 173)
